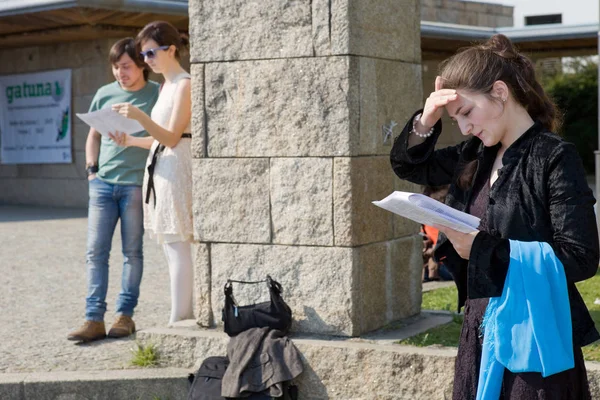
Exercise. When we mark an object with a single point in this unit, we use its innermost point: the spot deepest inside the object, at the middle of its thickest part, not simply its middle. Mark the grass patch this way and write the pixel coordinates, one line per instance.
(144, 355)
(591, 352)
(448, 334)
(443, 335)
(441, 299)
(590, 290)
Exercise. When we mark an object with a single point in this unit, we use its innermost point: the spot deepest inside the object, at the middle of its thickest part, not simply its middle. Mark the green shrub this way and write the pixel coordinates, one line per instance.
(576, 95)
(144, 355)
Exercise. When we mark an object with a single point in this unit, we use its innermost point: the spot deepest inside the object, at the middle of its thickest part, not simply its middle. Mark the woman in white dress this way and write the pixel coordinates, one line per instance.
(168, 176)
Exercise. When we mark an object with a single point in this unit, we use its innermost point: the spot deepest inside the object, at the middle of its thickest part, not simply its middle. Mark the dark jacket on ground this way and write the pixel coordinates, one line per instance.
(540, 195)
(260, 360)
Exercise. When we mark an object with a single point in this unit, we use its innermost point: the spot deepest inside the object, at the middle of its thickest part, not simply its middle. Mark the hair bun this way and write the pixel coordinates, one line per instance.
(501, 46)
(185, 39)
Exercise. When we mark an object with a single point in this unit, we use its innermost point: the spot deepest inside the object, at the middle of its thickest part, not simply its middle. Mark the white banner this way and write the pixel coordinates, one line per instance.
(35, 118)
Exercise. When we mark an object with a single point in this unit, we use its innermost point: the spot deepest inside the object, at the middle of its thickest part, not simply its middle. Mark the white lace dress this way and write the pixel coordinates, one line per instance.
(169, 218)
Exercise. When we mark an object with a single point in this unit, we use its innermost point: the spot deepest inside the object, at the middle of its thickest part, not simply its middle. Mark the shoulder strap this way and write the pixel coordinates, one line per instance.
(271, 283)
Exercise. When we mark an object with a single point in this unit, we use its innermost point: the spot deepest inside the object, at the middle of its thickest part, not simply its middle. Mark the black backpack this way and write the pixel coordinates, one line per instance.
(206, 383)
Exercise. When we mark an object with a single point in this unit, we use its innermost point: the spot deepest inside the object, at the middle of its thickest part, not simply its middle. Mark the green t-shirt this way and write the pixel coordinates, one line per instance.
(123, 165)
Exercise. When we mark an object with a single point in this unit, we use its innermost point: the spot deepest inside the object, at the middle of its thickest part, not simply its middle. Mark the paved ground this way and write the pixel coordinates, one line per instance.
(433, 285)
(43, 287)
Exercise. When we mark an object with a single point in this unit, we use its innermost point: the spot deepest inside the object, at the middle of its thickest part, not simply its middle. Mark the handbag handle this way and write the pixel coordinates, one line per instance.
(272, 284)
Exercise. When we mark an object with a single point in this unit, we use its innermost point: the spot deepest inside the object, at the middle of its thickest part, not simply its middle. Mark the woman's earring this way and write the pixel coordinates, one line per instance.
(504, 100)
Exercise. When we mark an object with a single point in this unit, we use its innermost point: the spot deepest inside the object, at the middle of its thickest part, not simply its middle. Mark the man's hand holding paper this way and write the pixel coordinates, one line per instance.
(119, 138)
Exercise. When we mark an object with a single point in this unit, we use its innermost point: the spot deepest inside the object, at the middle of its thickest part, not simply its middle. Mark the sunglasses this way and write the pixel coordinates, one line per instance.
(151, 53)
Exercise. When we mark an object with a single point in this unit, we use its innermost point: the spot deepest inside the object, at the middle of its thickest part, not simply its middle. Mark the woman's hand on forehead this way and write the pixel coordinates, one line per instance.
(435, 104)
(438, 83)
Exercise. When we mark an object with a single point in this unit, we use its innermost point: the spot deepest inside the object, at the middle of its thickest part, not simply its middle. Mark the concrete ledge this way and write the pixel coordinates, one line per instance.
(152, 383)
(335, 368)
(371, 367)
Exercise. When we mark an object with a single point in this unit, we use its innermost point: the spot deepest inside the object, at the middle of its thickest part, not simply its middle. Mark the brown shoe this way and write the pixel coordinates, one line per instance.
(123, 326)
(89, 331)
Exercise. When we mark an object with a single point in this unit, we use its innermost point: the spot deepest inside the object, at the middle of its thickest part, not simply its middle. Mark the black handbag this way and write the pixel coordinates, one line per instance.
(275, 314)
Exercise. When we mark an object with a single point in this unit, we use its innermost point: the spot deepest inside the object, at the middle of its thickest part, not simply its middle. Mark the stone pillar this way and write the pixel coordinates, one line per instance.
(289, 102)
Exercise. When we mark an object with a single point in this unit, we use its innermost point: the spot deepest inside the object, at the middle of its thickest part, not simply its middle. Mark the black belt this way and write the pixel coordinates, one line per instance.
(159, 149)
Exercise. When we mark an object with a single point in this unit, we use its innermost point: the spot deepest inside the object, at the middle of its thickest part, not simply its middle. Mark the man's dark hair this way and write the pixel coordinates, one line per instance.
(127, 45)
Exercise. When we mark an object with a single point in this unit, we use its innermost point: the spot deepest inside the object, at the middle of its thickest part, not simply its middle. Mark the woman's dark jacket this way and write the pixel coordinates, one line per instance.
(540, 195)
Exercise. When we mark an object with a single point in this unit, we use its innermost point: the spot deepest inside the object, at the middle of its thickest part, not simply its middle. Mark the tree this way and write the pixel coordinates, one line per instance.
(575, 92)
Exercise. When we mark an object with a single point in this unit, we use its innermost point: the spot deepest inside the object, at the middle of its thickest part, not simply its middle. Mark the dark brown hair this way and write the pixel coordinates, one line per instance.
(436, 192)
(127, 45)
(476, 68)
(164, 34)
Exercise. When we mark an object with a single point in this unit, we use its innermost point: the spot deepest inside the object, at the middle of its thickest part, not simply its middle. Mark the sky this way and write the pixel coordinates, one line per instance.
(574, 12)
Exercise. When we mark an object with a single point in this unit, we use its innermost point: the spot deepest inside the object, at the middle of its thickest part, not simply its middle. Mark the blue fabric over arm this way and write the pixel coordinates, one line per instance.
(528, 328)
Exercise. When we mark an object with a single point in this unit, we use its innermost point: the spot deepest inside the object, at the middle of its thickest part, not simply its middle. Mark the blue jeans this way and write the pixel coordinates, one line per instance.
(107, 204)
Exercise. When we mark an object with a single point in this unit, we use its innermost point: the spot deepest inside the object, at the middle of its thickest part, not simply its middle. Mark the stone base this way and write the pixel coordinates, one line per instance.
(366, 368)
(371, 367)
(151, 383)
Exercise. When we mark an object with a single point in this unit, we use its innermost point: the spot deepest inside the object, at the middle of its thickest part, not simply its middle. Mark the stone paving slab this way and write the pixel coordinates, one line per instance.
(425, 322)
(151, 384)
(342, 368)
(433, 285)
(334, 367)
(43, 281)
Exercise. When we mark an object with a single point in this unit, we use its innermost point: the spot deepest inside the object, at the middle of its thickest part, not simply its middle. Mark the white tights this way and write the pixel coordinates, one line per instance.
(179, 258)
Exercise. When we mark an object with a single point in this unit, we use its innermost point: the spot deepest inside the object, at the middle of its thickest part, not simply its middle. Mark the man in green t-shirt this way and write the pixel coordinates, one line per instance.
(115, 177)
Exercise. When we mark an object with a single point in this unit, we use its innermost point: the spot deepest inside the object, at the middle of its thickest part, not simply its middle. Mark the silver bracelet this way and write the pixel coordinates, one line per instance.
(414, 130)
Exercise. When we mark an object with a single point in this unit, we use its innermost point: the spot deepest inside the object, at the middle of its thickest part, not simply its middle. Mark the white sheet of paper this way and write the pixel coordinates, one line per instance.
(107, 120)
(428, 211)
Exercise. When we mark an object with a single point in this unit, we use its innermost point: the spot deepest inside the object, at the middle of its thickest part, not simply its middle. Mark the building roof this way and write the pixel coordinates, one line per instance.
(529, 33)
(446, 38)
(38, 22)
(17, 7)
(33, 22)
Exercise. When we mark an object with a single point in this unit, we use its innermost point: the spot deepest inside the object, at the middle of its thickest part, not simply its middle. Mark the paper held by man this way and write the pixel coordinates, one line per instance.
(428, 211)
(107, 120)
